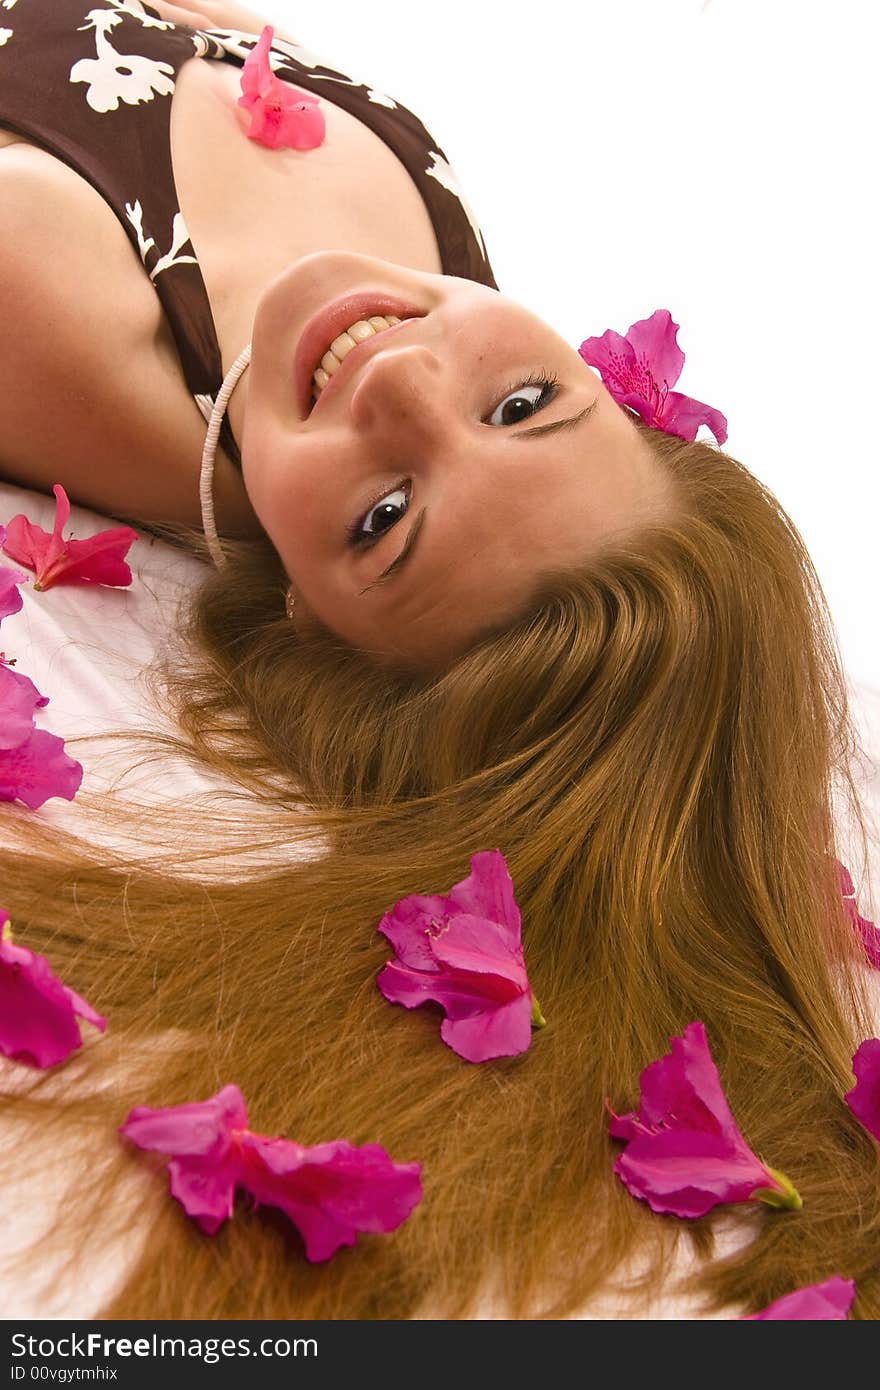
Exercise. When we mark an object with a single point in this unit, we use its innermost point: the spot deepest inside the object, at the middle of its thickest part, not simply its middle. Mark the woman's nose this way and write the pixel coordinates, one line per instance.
(401, 386)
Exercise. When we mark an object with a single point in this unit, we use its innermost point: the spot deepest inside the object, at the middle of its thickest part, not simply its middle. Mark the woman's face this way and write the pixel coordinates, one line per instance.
(419, 503)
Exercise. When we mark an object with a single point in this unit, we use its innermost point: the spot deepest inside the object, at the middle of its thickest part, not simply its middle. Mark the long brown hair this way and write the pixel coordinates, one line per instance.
(658, 747)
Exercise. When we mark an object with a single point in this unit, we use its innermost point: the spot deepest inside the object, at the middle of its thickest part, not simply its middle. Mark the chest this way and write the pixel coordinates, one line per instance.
(251, 210)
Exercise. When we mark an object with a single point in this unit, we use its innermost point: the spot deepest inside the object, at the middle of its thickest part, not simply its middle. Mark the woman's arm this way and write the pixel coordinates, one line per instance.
(216, 14)
(91, 398)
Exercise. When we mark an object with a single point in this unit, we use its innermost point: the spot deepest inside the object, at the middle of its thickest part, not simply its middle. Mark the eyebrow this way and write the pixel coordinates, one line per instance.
(569, 422)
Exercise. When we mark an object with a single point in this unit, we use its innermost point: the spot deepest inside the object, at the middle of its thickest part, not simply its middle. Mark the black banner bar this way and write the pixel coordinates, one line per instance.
(537, 1353)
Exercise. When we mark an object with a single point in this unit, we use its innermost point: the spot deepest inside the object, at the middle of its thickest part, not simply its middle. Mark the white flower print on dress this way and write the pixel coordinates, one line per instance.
(205, 403)
(6, 34)
(113, 75)
(307, 59)
(134, 7)
(179, 238)
(443, 173)
(230, 41)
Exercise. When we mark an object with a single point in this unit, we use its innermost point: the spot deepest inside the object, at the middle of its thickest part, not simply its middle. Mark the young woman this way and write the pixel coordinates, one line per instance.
(465, 601)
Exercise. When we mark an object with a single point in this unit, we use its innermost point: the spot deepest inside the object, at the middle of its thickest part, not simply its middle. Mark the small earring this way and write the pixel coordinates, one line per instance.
(290, 604)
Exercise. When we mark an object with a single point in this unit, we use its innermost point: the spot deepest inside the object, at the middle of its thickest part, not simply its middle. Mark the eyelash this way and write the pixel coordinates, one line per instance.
(547, 380)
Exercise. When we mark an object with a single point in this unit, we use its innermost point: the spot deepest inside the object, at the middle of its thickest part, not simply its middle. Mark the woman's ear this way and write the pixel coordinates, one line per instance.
(299, 614)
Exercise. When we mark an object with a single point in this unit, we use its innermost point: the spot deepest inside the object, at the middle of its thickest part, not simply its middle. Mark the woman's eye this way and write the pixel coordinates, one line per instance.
(522, 402)
(380, 517)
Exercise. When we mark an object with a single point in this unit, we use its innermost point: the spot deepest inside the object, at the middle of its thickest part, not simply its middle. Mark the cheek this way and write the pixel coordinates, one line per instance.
(290, 498)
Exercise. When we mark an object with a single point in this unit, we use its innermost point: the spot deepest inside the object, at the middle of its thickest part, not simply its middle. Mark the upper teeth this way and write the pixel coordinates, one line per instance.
(341, 346)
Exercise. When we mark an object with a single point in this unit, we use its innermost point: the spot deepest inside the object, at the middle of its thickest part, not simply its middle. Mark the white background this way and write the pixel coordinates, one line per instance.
(718, 158)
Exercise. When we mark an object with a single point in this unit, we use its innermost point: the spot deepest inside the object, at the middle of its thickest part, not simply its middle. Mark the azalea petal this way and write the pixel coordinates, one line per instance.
(38, 1012)
(402, 985)
(647, 407)
(487, 893)
(865, 930)
(458, 994)
(869, 935)
(640, 369)
(499, 1032)
(10, 598)
(864, 1098)
(844, 879)
(464, 953)
(331, 1191)
(461, 992)
(826, 1302)
(627, 377)
(62, 509)
(205, 1189)
(35, 547)
(300, 127)
(28, 544)
(466, 992)
(406, 927)
(282, 116)
(683, 1087)
(685, 1151)
(653, 340)
(477, 946)
(321, 1232)
(19, 697)
(201, 1135)
(609, 353)
(256, 72)
(198, 1128)
(683, 416)
(94, 560)
(37, 770)
(687, 1173)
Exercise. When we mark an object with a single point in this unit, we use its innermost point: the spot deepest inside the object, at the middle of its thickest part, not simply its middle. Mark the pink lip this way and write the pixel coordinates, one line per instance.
(326, 325)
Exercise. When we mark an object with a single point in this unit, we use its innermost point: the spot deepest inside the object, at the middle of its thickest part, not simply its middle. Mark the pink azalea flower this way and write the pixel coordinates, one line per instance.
(638, 370)
(33, 764)
(330, 1191)
(10, 598)
(38, 768)
(829, 1301)
(37, 1012)
(19, 697)
(868, 934)
(463, 951)
(282, 116)
(685, 1154)
(96, 560)
(864, 1098)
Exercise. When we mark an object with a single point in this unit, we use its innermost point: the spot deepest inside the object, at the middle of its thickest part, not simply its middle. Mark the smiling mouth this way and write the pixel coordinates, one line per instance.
(340, 336)
(354, 356)
(345, 343)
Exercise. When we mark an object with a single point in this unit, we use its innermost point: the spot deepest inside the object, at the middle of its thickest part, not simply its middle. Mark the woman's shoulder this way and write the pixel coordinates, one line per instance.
(81, 380)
